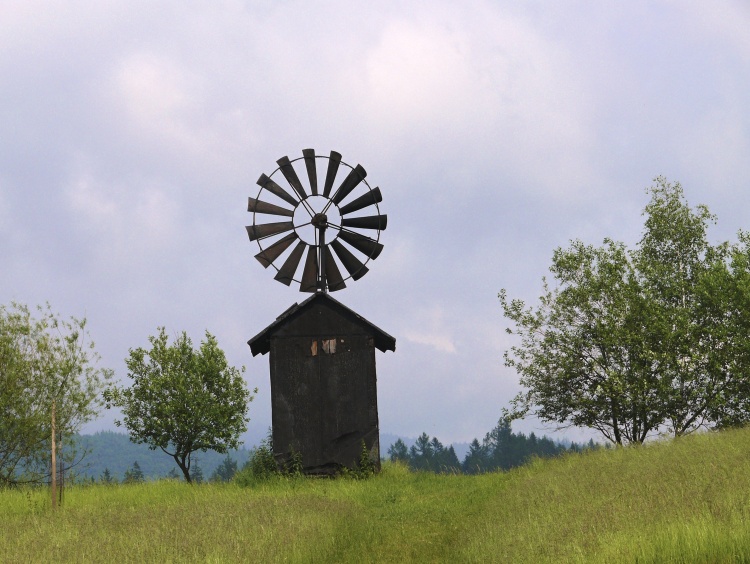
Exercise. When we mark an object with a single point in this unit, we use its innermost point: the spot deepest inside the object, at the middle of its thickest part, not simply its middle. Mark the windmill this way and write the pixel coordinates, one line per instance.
(322, 354)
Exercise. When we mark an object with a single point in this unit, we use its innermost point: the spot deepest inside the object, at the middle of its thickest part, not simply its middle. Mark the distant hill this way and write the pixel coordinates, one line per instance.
(115, 451)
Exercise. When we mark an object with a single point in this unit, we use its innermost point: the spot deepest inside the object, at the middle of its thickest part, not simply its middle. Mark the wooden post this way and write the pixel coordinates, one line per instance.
(54, 461)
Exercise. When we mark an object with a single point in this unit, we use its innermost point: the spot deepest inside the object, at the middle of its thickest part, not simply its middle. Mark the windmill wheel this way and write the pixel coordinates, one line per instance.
(319, 221)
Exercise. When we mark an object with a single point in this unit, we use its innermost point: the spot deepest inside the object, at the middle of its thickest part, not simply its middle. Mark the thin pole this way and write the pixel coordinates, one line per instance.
(61, 494)
(54, 461)
(322, 258)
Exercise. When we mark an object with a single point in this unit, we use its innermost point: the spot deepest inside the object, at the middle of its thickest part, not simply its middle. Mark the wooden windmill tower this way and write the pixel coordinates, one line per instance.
(322, 354)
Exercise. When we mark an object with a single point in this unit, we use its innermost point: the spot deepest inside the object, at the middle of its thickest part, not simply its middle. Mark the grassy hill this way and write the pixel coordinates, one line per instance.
(685, 500)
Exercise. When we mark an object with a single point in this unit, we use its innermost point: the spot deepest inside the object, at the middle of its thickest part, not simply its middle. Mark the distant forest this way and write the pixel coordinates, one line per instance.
(111, 456)
(501, 449)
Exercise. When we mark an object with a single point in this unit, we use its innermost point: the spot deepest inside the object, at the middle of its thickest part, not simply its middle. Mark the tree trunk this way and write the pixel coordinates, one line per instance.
(184, 467)
(616, 423)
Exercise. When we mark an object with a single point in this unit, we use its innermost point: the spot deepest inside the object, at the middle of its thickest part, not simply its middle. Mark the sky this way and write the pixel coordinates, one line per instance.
(132, 133)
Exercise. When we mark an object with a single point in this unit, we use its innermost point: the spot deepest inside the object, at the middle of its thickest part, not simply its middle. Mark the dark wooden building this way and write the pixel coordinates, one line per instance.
(323, 383)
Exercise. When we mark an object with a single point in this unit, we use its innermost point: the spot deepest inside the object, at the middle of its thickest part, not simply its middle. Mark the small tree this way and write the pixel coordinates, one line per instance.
(477, 459)
(421, 453)
(134, 474)
(262, 465)
(446, 461)
(182, 400)
(226, 470)
(106, 477)
(365, 466)
(398, 451)
(48, 371)
(197, 474)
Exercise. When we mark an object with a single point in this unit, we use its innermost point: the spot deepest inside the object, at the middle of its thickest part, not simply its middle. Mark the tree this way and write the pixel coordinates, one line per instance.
(47, 365)
(476, 460)
(631, 342)
(426, 454)
(421, 453)
(675, 262)
(182, 400)
(581, 355)
(133, 475)
(446, 461)
(226, 470)
(729, 352)
(197, 474)
(398, 451)
(106, 477)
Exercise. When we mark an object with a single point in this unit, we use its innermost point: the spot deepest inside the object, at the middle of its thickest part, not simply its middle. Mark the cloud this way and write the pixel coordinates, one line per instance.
(724, 20)
(88, 201)
(442, 343)
(126, 229)
(156, 94)
(474, 88)
(428, 327)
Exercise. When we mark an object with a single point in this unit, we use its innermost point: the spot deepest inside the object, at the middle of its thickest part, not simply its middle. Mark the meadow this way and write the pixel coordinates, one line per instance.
(685, 500)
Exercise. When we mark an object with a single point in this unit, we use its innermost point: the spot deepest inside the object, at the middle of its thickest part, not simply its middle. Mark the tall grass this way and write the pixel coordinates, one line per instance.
(678, 501)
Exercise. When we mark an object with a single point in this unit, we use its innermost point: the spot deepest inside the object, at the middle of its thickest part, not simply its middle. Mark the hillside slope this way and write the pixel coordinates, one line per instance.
(684, 500)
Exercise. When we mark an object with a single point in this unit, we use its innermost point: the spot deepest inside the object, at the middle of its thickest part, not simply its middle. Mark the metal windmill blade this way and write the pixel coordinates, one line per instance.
(316, 222)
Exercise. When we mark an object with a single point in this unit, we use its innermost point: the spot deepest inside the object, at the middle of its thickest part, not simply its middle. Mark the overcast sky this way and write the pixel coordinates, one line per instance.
(132, 133)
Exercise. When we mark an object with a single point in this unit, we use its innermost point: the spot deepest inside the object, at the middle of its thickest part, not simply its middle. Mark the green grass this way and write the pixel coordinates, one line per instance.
(675, 501)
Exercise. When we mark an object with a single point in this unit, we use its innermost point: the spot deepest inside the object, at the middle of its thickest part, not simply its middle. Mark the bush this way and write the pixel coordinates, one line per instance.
(261, 465)
(365, 466)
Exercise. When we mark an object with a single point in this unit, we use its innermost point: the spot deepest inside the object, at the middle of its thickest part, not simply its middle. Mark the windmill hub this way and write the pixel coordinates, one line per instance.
(311, 215)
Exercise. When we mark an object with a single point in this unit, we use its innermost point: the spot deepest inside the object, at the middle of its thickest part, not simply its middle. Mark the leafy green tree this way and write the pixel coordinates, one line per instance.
(134, 475)
(225, 471)
(172, 474)
(631, 342)
(182, 400)
(45, 361)
(729, 351)
(582, 358)
(675, 261)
